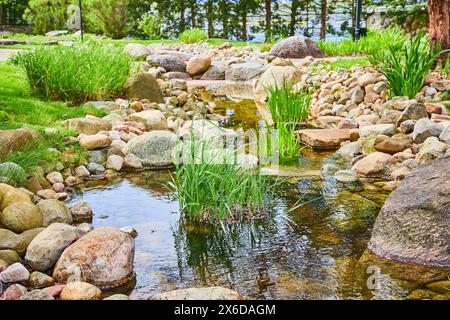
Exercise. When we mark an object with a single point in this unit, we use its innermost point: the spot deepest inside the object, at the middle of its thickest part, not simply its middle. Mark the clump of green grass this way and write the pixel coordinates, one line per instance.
(214, 191)
(76, 74)
(193, 35)
(288, 109)
(406, 67)
(375, 40)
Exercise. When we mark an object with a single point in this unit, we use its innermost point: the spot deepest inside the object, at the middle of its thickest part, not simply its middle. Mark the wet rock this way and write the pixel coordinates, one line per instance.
(14, 292)
(442, 287)
(89, 125)
(96, 141)
(10, 195)
(103, 257)
(40, 280)
(209, 293)
(328, 170)
(421, 294)
(154, 148)
(143, 86)
(426, 128)
(431, 149)
(14, 273)
(296, 47)
(38, 295)
(412, 226)
(198, 65)
(324, 138)
(377, 130)
(21, 216)
(152, 119)
(346, 176)
(45, 249)
(81, 212)
(374, 165)
(54, 211)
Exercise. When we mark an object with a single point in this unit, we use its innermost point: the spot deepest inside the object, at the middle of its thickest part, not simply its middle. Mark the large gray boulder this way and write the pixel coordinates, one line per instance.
(143, 86)
(413, 225)
(136, 50)
(154, 148)
(169, 62)
(244, 71)
(296, 47)
(276, 76)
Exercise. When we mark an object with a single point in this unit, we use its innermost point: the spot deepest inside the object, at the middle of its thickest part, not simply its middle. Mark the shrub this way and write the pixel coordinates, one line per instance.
(210, 190)
(288, 109)
(76, 74)
(151, 26)
(406, 67)
(375, 40)
(47, 15)
(108, 16)
(193, 35)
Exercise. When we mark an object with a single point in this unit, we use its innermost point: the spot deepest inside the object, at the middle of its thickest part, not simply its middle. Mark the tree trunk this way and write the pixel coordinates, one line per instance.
(193, 14)
(224, 15)
(244, 26)
(182, 16)
(294, 7)
(1, 14)
(210, 14)
(438, 11)
(323, 20)
(268, 26)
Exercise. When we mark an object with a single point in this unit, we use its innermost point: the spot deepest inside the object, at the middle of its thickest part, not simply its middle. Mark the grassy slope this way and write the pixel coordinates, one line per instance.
(18, 108)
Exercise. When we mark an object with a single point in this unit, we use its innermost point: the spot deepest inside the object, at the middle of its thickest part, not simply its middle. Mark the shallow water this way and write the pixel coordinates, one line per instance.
(308, 253)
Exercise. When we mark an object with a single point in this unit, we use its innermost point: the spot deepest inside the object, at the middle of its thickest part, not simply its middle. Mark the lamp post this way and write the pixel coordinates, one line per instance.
(81, 20)
(357, 34)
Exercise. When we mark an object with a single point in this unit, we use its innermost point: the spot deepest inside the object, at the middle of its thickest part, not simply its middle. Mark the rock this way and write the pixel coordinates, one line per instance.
(440, 286)
(38, 295)
(296, 47)
(328, 170)
(80, 291)
(14, 273)
(143, 86)
(209, 293)
(114, 162)
(412, 226)
(367, 120)
(374, 165)
(276, 76)
(347, 124)
(136, 50)
(85, 227)
(421, 294)
(244, 71)
(40, 280)
(214, 73)
(431, 149)
(413, 111)
(176, 75)
(103, 257)
(407, 126)
(89, 125)
(55, 290)
(45, 249)
(21, 216)
(198, 65)
(82, 172)
(328, 121)
(391, 186)
(16, 140)
(48, 194)
(366, 79)
(130, 231)
(29, 235)
(346, 176)
(96, 141)
(380, 86)
(154, 148)
(132, 162)
(391, 145)
(12, 241)
(324, 138)
(81, 212)
(377, 130)
(152, 119)
(117, 297)
(9, 256)
(54, 177)
(54, 211)
(357, 95)
(96, 168)
(10, 195)
(169, 62)
(400, 173)
(14, 292)
(434, 108)
(3, 265)
(349, 150)
(426, 128)
(58, 187)
(445, 135)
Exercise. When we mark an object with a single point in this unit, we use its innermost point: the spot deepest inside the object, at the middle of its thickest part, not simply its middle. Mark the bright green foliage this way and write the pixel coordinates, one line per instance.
(76, 74)
(288, 109)
(151, 26)
(212, 191)
(108, 16)
(47, 15)
(406, 67)
(374, 41)
(193, 35)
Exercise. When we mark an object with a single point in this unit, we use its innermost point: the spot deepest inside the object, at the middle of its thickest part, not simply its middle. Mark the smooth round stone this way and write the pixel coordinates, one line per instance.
(346, 176)
(40, 280)
(36, 295)
(21, 216)
(14, 273)
(80, 291)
